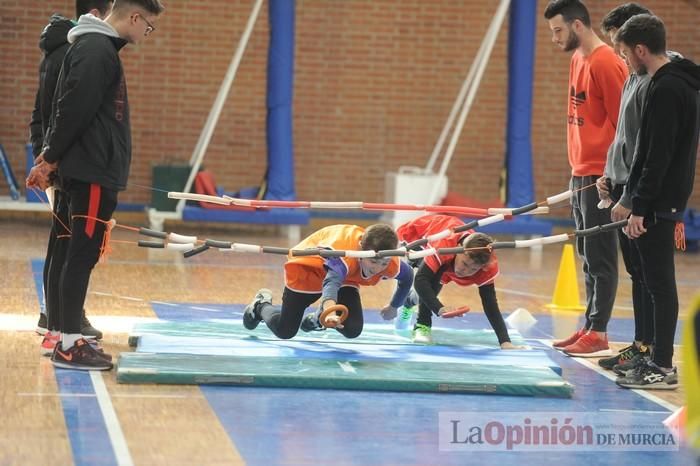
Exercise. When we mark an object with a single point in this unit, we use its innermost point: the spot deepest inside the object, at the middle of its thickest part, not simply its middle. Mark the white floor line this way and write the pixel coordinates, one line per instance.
(631, 411)
(115, 395)
(612, 376)
(546, 297)
(643, 393)
(523, 293)
(115, 324)
(114, 429)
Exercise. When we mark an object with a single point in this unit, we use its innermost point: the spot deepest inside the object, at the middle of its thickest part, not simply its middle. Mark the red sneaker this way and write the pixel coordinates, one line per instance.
(589, 345)
(561, 344)
(48, 343)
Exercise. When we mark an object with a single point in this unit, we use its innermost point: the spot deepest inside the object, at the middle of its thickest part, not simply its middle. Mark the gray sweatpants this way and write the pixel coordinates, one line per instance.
(598, 252)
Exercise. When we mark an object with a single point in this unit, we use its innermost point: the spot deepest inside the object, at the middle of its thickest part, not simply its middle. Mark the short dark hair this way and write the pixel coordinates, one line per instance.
(647, 30)
(379, 237)
(83, 7)
(478, 240)
(570, 10)
(619, 16)
(154, 7)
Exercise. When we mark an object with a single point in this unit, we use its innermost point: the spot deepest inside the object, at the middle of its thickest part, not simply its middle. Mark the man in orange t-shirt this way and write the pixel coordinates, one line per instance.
(596, 78)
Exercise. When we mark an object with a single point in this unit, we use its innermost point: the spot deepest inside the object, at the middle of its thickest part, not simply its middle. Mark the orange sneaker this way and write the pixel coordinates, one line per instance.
(561, 344)
(589, 345)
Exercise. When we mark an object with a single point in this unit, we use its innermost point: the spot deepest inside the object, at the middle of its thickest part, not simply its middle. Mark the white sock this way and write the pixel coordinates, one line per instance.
(69, 339)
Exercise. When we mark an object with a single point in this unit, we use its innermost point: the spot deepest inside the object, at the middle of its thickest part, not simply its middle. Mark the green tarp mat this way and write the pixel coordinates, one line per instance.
(349, 375)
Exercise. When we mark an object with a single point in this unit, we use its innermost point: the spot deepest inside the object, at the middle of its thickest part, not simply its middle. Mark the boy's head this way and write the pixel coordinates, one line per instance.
(472, 261)
(640, 40)
(135, 19)
(378, 237)
(619, 16)
(568, 19)
(99, 8)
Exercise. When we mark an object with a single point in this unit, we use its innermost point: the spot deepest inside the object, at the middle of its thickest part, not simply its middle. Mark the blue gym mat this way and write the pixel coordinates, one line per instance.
(407, 352)
(378, 334)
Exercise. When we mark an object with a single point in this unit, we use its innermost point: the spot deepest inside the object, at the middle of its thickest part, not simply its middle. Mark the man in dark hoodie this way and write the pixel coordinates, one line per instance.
(660, 183)
(612, 189)
(88, 147)
(54, 44)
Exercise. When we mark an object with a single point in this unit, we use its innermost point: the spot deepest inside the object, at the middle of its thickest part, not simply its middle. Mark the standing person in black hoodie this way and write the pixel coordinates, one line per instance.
(54, 44)
(660, 183)
(88, 147)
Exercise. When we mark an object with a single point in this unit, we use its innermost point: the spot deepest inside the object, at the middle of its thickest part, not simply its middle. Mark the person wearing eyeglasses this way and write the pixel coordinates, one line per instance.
(87, 152)
(333, 280)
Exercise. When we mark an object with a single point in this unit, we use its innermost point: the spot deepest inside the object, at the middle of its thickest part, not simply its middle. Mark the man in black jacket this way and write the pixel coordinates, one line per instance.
(88, 146)
(54, 45)
(660, 182)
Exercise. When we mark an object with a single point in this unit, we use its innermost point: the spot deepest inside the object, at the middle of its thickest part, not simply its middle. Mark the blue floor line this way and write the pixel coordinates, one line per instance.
(87, 431)
(38, 279)
(292, 426)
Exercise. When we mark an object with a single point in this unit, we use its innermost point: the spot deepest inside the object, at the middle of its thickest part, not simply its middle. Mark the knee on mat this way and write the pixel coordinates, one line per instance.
(285, 335)
(351, 333)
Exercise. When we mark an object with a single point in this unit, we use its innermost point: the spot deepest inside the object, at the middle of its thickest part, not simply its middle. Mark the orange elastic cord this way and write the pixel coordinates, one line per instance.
(41, 199)
(679, 236)
(105, 248)
(488, 247)
(582, 188)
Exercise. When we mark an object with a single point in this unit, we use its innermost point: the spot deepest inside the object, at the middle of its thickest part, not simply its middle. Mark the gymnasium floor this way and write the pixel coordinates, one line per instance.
(70, 417)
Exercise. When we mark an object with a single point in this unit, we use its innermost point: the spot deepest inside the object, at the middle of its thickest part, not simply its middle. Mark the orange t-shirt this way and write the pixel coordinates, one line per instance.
(305, 274)
(595, 89)
(429, 225)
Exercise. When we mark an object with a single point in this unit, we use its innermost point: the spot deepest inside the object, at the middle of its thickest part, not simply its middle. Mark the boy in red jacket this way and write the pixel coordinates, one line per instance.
(476, 266)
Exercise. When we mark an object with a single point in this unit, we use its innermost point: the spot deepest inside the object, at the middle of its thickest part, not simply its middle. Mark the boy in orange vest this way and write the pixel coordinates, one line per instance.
(335, 280)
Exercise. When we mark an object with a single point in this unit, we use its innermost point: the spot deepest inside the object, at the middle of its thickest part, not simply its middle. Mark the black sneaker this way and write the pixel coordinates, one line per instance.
(310, 323)
(623, 356)
(630, 365)
(100, 350)
(650, 376)
(88, 330)
(251, 315)
(80, 356)
(43, 325)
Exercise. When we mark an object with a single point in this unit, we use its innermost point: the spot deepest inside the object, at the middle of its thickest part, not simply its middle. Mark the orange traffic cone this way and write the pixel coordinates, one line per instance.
(676, 423)
(566, 296)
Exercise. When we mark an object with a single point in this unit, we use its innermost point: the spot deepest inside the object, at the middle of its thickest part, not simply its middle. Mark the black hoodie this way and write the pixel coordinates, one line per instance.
(89, 134)
(53, 44)
(663, 171)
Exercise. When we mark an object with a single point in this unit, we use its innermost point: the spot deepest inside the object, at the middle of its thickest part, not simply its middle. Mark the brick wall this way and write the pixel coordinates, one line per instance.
(374, 83)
